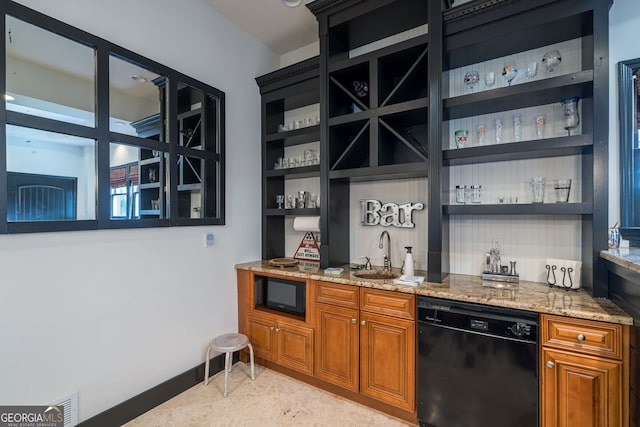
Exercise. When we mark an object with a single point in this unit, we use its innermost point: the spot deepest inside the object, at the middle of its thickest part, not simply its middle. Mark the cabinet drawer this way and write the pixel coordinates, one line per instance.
(391, 303)
(596, 338)
(342, 295)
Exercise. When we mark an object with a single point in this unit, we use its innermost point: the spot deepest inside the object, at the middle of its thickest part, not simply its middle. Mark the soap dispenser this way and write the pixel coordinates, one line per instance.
(408, 269)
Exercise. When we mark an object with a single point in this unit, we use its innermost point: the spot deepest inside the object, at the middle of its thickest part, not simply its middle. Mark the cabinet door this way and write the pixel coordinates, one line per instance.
(387, 359)
(337, 345)
(580, 391)
(260, 331)
(295, 347)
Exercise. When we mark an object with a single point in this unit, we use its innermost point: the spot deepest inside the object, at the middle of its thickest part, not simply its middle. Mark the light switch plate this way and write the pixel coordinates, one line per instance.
(208, 239)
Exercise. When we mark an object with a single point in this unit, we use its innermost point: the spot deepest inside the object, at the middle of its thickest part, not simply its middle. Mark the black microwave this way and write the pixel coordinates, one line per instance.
(281, 294)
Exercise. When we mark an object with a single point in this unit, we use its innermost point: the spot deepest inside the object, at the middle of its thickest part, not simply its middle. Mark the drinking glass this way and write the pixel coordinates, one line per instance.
(280, 200)
(532, 70)
(537, 189)
(475, 193)
(470, 79)
(509, 71)
(461, 194)
(490, 78)
(461, 137)
(517, 129)
(562, 188)
(498, 130)
(540, 122)
(570, 113)
(482, 131)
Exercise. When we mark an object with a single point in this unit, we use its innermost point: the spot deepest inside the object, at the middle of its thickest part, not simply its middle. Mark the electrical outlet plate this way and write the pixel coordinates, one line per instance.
(498, 243)
(208, 240)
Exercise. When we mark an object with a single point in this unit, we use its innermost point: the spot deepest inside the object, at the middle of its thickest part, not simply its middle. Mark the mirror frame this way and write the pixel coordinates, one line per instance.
(104, 137)
(627, 124)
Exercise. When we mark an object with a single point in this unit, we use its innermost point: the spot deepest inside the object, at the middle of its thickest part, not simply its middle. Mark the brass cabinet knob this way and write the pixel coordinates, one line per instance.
(581, 337)
(550, 364)
(362, 322)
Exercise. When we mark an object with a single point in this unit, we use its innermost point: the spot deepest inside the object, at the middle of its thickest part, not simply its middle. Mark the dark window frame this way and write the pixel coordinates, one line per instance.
(628, 121)
(103, 136)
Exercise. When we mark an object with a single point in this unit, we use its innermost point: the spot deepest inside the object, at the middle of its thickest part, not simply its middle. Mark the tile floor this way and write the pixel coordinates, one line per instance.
(272, 400)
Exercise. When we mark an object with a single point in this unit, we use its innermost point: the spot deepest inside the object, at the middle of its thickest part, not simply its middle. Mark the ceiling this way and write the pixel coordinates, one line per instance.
(282, 28)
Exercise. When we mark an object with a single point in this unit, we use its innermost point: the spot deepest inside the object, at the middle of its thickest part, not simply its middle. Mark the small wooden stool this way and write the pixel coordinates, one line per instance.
(228, 343)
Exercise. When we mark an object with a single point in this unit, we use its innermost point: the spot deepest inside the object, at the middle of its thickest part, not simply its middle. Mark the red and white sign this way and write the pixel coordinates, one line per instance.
(308, 249)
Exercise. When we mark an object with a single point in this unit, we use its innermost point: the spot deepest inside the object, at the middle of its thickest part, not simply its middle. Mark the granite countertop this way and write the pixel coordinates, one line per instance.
(531, 296)
(628, 258)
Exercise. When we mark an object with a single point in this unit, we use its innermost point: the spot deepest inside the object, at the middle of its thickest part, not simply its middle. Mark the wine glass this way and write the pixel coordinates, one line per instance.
(470, 79)
(551, 60)
(280, 200)
(509, 71)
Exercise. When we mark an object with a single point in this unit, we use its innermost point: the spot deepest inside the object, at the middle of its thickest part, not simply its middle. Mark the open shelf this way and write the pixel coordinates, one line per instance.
(520, 209)
(296, 136)
(539, 148)
(522, 95)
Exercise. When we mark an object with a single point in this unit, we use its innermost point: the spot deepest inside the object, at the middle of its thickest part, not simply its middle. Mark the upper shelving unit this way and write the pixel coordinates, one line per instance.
(375, 103)
(290, 149)
(558, 49)
(378, 107)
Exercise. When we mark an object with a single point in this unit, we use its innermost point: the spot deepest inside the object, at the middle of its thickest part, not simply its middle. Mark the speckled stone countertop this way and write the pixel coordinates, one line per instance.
(625, 257)
(529, 296)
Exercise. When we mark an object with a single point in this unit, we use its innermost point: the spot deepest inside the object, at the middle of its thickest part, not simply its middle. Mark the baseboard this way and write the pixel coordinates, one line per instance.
(147, 400)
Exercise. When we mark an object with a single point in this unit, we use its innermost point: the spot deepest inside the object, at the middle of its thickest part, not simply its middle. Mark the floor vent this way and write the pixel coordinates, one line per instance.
(70, 404)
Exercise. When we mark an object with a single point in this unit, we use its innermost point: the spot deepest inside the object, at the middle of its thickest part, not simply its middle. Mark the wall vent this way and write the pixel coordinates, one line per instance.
(70, 404)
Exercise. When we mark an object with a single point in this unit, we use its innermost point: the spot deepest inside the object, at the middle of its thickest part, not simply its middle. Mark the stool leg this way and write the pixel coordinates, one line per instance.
(206, 367)
(253, 373)
(227, 362)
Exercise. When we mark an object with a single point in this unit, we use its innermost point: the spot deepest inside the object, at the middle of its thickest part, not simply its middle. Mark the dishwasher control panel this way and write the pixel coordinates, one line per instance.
(479, 318)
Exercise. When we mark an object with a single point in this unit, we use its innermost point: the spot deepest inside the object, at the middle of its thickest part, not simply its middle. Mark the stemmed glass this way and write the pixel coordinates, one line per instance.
(551, 60)
(509, 71)
(470, 79)
(280, 200)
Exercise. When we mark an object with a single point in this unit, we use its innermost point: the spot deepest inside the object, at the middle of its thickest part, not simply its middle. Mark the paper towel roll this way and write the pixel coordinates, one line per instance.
(306, 223)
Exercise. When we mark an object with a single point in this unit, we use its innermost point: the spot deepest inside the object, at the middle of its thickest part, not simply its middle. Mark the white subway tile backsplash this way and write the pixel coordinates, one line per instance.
(528, 240)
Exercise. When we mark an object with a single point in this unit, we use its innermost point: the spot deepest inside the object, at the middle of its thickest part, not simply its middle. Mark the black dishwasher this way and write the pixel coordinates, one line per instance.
(477, 365)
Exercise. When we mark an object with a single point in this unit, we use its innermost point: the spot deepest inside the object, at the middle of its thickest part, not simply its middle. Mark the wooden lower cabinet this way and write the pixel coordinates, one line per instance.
(282, 342)
(387, 359)
(583, 373)
(580, 391)
(337, 346)
(367, 352)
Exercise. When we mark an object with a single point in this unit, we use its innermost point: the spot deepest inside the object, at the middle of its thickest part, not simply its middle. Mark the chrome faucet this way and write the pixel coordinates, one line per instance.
(387, 256)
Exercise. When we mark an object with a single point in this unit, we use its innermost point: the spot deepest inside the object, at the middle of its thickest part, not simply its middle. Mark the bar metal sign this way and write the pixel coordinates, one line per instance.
(373, 212)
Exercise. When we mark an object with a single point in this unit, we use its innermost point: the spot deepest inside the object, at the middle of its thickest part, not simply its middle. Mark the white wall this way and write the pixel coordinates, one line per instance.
(112, 313)
(624, 21)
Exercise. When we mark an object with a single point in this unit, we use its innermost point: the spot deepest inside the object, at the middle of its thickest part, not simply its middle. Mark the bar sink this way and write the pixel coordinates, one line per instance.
(376, 275)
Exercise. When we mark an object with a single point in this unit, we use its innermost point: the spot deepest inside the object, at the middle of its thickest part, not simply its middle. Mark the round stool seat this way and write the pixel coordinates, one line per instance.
(228, 344)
